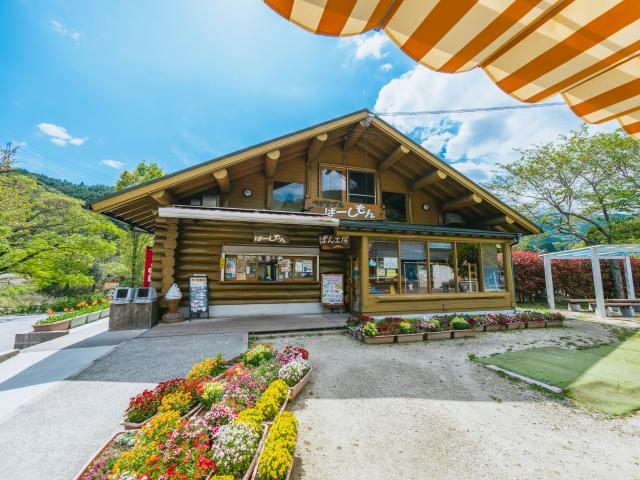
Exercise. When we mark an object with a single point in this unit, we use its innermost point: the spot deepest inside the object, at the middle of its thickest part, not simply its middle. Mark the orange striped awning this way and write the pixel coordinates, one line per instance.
(586, 50)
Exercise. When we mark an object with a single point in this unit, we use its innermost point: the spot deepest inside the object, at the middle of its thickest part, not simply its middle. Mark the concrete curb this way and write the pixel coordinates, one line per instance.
(528, 380)
(6, 355)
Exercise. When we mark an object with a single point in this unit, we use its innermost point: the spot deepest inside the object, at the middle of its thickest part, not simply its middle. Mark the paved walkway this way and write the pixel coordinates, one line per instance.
(259, 324)
(12, 324)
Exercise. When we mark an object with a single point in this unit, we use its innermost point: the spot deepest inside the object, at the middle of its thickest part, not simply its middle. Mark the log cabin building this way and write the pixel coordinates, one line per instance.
(350, 196)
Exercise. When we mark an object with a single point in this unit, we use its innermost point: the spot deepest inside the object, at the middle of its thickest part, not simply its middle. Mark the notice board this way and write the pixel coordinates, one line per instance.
(198, 295)
(332, 289)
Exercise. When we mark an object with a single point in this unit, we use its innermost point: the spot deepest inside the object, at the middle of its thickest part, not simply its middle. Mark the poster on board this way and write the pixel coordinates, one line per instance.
(198, 295)
(333, 289)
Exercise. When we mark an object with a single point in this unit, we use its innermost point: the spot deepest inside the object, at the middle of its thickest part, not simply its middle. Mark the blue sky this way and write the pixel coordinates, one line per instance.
(89, 87)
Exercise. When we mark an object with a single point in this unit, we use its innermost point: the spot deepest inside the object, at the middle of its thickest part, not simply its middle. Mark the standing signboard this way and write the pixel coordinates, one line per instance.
(333, 290)
(198, 295)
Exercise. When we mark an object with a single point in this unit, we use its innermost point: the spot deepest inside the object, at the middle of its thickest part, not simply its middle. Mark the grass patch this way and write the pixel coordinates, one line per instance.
(604, 377)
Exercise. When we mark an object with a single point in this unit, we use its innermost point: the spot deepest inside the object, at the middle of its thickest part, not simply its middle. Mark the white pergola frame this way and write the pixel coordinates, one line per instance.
(595, 254)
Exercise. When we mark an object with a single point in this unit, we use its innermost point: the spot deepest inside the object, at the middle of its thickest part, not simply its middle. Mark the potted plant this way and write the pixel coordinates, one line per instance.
(374, 334)
(490, 323)
(533, 319)
(408, 332)
(554, 319)
(436, 330)
(511, 322)
(462, 328)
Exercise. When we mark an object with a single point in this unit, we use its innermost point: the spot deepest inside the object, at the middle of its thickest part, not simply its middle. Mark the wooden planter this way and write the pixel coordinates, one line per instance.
(554, 324)
(77, 321)
(515, 326)
(52, 327)
(438, 335)
(379, 339)
(135, 426)
(410, 337)
(470, 332)
(297, 388)
(493, 328)
(535, 324)
(93, 316)
(104, 313)
(104, 446)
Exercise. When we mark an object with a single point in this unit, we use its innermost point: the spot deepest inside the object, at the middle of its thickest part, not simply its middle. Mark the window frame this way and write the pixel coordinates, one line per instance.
(273, 193)
(345, 170)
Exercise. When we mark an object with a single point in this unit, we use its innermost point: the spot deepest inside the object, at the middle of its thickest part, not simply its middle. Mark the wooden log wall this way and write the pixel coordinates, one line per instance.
(198, 250)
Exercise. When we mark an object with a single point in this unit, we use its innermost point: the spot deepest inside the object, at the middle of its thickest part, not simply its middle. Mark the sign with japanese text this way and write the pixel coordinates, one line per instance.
(332, 289)
(270, 237)
(346, 210)
(334, 242)
(198, 294)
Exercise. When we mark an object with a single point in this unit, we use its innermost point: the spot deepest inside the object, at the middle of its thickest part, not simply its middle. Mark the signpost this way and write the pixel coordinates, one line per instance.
(198, 295)
(333, 290)
(334, 242)
(346, 210)
(270, 237)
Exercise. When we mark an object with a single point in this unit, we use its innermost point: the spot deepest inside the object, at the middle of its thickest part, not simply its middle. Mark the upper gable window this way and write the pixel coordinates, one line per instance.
(288, 196)
(334, 183)
(357, 186)
(362, 186)
(395, 206)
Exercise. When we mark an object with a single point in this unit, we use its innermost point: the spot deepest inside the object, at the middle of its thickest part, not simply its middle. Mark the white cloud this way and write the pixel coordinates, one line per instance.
(59, 135)
(367, 46)
(386, 67)
(112, 163)
(61, 29)
(475, 143)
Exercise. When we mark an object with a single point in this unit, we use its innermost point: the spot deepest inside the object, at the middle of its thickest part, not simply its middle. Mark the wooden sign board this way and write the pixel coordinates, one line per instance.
(198, 295)
(270, 237)
(334, 242)
(346, 210)
(332, 289)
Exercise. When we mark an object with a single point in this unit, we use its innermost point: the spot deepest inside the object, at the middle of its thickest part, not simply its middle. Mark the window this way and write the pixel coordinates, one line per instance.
(333, 183)
(395, 206)
(441, 267)
(493, 267)
(468, 267)
(413, 259)
(269, 268)
(362, 187)
(288, 196)
(383, 268)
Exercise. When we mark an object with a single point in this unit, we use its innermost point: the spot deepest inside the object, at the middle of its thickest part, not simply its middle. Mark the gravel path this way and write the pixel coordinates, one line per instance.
(424, 411)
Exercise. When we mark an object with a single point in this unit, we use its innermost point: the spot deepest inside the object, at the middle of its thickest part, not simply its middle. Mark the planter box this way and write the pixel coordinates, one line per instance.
(254, 476)
(106, 445)
(135, 426)
(252, 466)
(51, 327)
(410, 337)
(297, 388)
(104, 313)
(493, 328)
(438, 335)
(283, 407)
(379, 339)
(554, 324)
(515, 326)
(535, 324)
(77, 321)
(479, 328)
(471, 332)
(93, 316)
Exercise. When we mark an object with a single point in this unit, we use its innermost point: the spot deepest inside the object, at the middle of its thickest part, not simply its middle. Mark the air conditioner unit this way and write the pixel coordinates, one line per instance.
(145, 295)
(123, 295)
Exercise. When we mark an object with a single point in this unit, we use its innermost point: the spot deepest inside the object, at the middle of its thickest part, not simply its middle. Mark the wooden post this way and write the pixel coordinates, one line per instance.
(548, 280)
(170, 244)
(628, 276)
(597, 283)
(364, 273)
(508, 271)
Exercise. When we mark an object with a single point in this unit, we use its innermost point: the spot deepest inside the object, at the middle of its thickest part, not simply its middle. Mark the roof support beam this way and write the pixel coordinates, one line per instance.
(222, 177)
(499, 220)
(393, 157)
(461, 202)
(164, 198)
(271, 163)
(429, 179)
(316, 145)
(355, 135)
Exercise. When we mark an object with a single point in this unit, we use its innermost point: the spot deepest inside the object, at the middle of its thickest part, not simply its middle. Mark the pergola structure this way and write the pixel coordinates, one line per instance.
(595, 254)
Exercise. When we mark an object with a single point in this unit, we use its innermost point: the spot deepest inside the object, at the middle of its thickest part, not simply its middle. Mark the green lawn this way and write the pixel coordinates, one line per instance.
(606, 378)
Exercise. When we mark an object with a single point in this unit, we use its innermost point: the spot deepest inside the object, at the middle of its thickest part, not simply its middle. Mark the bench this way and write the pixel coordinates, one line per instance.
(626, 306)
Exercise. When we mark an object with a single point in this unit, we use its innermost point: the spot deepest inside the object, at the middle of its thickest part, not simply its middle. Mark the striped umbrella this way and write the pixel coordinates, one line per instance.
(586, 50)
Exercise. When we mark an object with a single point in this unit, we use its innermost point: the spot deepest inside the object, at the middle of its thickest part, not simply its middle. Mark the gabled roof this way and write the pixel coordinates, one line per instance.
(137, 206)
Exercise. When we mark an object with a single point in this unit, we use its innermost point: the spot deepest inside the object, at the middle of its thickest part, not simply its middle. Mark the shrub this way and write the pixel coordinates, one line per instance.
(293, 372)
(277, 455)
(211, 393)
(273, 398)
(258, 354)
(207, 367)
(370, 329)
(177, 401)
(234, 446)
(459, 323)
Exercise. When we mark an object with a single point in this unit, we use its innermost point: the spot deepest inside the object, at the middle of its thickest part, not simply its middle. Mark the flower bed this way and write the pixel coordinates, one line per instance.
(222, 434)
(276, 456)
(101, 464)
(84, 312)
(396, 329)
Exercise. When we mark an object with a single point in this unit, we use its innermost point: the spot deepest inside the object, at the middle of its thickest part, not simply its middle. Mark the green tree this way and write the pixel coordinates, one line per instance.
(581, 185)
(7, 157)
(49, 236)
(135, 242)
(142, 173)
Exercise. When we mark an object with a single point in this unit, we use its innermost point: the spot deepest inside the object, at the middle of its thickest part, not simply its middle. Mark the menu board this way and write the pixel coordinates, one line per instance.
(198, 295)
(332, 289)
